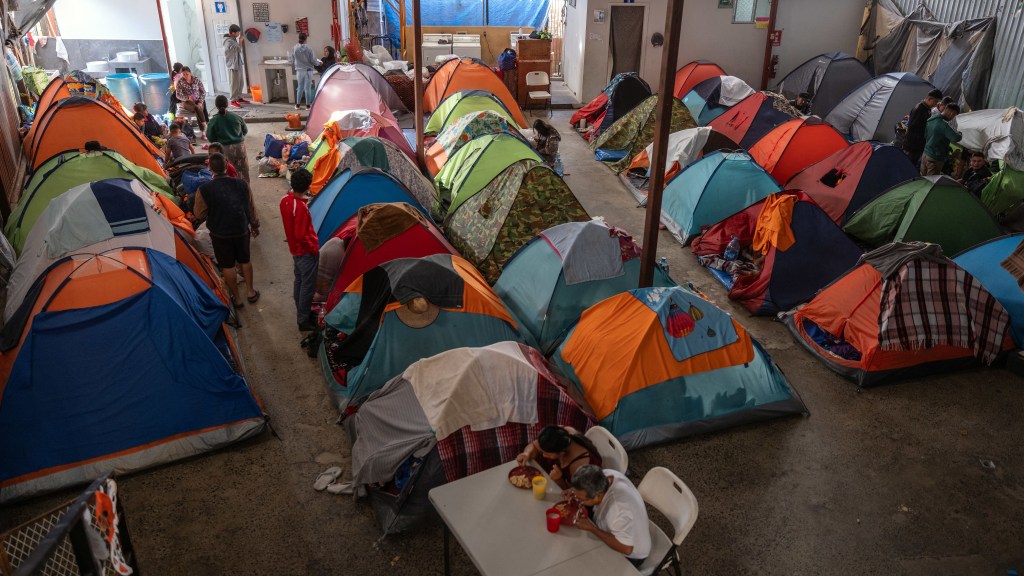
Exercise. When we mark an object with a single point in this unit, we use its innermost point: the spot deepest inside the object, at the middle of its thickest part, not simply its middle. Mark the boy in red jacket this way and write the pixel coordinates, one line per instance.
(304, 246)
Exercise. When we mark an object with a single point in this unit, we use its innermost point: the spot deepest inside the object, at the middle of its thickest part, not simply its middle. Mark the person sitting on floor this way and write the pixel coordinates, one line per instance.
(177, 145)
(150, 126)
(977, 174)
(561, 450)
(620, 515)
(802, 103)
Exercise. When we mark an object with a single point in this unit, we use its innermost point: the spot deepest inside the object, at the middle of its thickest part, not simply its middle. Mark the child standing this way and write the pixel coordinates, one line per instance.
(304, 246)
(177, 145)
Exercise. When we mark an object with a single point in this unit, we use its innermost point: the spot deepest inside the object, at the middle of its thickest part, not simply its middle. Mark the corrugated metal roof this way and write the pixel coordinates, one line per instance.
(1006, 87)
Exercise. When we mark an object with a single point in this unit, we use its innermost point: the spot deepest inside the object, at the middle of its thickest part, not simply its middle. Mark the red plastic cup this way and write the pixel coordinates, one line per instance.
(554, 520)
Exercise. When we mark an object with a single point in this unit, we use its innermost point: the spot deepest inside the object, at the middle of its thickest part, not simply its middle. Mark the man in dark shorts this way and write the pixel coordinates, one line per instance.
(227, 205)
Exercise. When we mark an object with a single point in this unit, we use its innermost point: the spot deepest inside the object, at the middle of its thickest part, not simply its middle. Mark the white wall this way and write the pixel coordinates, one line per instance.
(317, 11)
(574, 39)
(107, 19)
(807, 30)
(810, 27)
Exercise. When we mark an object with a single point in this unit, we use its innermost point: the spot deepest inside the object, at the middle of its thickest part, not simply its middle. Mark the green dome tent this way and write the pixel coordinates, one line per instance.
(630, 134)
(475, 165)
(63, 172)
(466, 102)
(935, 209)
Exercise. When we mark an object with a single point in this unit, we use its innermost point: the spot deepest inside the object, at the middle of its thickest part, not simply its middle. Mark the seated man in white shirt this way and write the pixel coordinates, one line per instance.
(620, 516)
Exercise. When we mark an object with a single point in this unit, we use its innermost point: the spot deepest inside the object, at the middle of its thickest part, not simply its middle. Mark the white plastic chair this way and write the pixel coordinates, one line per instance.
(667, 494)
(613, 455)
(539, 78)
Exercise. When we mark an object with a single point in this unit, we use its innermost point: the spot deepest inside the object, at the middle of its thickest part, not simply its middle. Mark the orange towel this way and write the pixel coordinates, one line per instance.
(773, 224)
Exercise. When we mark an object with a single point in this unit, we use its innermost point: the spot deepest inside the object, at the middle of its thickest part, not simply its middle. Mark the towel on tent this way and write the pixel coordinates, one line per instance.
(890, 258)
(1014, 264)
(928, 303)
(773, 223)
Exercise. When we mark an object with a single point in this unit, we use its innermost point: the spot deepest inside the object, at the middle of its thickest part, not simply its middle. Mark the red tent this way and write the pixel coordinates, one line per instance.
(694, 73)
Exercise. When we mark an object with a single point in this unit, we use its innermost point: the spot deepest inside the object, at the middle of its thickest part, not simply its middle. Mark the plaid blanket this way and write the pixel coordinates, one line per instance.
(466, 452)
(930, 303)
(1014, 264)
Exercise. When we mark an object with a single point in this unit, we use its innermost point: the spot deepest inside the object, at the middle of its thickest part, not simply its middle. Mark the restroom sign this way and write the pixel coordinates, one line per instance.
(220, 7)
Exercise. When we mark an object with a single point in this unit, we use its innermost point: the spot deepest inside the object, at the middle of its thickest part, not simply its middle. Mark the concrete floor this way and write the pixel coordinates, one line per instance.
(885, 481)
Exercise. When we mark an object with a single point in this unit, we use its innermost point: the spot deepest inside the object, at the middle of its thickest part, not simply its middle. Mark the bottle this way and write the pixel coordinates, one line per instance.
(732, 250)
(663, 264)
(559, 169)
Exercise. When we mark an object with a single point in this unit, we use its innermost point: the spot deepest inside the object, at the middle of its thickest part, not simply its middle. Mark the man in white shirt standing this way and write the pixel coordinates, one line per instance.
(620, 516)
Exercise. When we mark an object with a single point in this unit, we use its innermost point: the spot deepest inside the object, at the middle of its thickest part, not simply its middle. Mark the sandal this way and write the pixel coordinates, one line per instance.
(237, 305)
(254, 298)
(326, 478)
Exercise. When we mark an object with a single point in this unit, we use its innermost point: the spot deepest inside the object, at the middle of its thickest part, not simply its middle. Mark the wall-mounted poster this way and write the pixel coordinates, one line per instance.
(261, 12)
(599, 16)
(725, 4)
(571, 3)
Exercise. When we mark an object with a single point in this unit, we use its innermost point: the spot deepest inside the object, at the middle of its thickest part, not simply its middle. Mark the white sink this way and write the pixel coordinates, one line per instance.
(275, 62)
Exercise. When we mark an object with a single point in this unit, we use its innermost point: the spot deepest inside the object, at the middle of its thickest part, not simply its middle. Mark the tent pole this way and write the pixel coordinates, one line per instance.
(163, 32)
(768, 45)
(417, 59)
(662, 127)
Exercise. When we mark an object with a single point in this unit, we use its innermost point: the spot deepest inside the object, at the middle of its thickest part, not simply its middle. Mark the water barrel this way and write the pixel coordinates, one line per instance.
(154, 92)
(124, 87)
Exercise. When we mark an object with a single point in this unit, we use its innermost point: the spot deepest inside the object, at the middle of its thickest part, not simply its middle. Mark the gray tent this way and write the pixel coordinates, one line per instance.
(872, 110)
(450, 416)
(827, 78)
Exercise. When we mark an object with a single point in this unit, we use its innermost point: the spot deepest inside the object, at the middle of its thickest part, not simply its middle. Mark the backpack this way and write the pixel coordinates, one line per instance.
(272, 147)
(507, 59)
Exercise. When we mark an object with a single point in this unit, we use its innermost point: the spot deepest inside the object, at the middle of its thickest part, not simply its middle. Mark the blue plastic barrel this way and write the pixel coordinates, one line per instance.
(124, 87)
(154, 91)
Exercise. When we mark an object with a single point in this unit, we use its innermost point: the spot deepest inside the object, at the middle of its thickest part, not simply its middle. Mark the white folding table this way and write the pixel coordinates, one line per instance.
(503, 530)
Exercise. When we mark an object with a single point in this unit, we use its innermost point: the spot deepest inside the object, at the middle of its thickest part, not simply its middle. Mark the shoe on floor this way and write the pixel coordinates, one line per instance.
(254, 298)
(307, 327)
(326, 478)
(340, 488)
(243, 101)
(235, 104)
(298, 107)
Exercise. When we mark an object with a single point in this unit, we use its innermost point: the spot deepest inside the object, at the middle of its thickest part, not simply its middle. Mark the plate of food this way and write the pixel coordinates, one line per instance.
(570, 510)
(522, 476)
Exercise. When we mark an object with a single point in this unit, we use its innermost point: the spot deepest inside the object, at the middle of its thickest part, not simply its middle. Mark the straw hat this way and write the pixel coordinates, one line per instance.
(418, 313)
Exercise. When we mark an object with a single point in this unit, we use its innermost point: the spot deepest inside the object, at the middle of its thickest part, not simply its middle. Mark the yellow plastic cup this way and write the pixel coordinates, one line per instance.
(540, 487)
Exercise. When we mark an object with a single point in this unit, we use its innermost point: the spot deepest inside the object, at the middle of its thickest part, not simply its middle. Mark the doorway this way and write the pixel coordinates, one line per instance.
(626, 40)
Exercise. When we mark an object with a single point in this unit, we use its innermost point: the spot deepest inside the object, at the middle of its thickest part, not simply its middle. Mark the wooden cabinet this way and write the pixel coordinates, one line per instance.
(534, 56)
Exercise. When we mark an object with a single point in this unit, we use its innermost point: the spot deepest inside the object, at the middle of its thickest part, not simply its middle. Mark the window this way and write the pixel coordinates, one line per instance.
(748, 11)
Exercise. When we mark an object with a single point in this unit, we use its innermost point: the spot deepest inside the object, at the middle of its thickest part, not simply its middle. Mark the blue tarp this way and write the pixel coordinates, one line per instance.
(527, 13)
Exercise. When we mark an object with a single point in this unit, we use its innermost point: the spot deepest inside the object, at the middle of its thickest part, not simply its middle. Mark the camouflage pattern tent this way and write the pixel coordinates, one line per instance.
(523, 201)
(630, 134)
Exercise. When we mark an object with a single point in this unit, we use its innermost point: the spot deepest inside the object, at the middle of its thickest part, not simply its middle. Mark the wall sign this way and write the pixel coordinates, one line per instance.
(261, 12)
(725, 4)
(599, 16)
(220, 7)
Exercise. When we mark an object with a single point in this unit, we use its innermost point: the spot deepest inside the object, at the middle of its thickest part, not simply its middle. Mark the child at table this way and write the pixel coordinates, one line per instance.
(561, 450)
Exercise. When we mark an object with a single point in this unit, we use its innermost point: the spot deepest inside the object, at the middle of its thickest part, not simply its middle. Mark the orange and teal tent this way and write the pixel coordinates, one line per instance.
(147, 373)
(468, 74)
(381, 337)
(906, 312)
(657, 364)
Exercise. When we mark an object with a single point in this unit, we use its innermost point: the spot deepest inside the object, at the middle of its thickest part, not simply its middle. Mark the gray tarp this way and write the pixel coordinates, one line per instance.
(27, 12)
(956, 57)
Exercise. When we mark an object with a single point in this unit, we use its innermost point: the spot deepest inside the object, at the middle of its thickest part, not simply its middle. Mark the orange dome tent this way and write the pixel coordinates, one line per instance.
(71, 122)
(468, 74)
(795, 145)
(694, 73)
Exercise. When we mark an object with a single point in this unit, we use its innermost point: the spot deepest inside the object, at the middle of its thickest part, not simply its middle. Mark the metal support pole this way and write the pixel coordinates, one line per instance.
(417, 59)
(663, 125)
(163, 33)
(768, 45)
